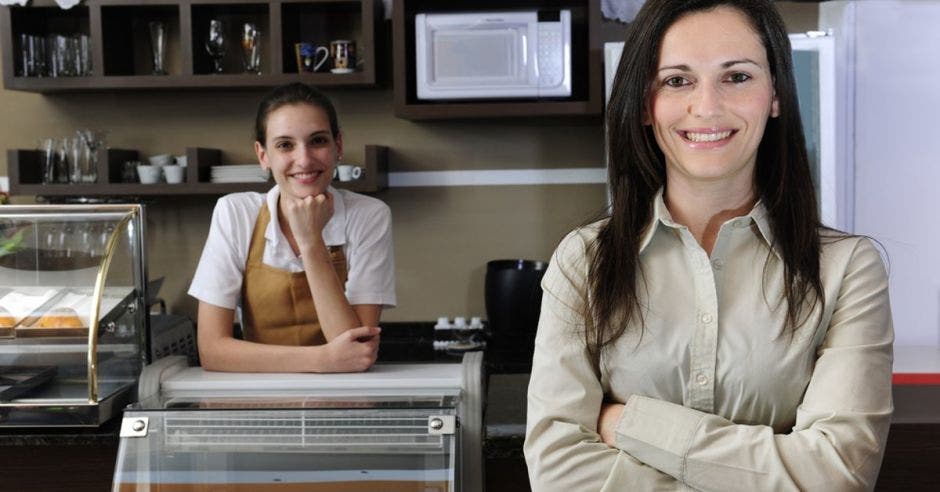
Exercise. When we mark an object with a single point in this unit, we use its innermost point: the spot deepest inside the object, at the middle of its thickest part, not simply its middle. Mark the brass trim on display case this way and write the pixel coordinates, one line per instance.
(96, 309)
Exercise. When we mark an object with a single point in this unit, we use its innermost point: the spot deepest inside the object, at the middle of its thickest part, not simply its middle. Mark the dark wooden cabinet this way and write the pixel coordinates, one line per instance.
(120, 42)
(586, 68)
(26, 176)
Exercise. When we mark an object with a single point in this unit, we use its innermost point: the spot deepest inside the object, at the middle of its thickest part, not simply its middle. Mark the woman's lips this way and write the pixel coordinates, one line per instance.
(306, 177)
(703, 139)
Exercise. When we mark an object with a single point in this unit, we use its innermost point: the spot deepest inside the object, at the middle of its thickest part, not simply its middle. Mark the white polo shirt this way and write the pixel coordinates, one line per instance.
(362, 225)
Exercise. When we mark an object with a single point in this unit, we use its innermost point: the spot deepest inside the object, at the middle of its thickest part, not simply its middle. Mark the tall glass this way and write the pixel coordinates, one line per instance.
(62, 161)
(92, 140)
(76, 151)
(158, 46)
(251, 51)
(47, 159)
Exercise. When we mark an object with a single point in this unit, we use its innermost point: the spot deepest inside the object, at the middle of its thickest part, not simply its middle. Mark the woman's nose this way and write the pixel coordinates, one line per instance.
(705, 101)
(303, 154)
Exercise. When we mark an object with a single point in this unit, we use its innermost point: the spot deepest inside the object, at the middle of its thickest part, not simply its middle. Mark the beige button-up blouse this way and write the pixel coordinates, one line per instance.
(716, 399)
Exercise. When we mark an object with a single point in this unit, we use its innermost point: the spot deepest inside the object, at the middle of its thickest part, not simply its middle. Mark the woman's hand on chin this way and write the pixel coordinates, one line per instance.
(308, 216)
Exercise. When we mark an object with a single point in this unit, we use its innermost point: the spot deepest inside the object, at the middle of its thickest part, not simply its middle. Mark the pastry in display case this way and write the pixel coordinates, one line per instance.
(73, 318)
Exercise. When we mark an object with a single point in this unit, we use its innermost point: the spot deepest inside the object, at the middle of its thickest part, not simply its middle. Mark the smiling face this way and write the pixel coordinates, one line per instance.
(710, 98)
(299, 149)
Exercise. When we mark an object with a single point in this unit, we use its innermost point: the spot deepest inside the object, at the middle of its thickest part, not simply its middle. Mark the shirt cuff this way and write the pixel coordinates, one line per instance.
(658, 433)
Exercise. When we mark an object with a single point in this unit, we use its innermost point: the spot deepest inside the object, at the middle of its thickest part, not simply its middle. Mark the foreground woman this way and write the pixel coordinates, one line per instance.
(710, 334)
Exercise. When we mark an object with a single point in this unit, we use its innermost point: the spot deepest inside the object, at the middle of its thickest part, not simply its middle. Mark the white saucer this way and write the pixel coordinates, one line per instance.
(342, 70)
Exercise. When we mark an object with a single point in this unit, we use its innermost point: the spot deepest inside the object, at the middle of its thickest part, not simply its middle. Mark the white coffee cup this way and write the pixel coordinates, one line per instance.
(148, 174)
(347, 172)
(160, 160)
(173, 174)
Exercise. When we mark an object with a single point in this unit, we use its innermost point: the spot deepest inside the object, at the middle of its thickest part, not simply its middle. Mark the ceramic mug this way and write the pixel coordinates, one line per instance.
(345, 172)
(148, 174)
(343, 53)
(161, 160)
(309, 57)
(173, 174)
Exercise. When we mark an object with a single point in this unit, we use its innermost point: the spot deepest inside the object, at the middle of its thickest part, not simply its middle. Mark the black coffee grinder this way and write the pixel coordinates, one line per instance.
(513, 300)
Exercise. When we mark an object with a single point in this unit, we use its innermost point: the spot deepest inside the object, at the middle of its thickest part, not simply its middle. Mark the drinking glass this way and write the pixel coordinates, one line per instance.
(158, 46)
(84, 43)
(63, 146)
(92, 140)
(251, 51)
(76, 151)
(216, 44)
(47, 158)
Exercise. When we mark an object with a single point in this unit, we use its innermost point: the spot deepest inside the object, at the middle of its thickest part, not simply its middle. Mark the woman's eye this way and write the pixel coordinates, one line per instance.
(675, 81)
(739, 78)
(283, 146)
(319, 140)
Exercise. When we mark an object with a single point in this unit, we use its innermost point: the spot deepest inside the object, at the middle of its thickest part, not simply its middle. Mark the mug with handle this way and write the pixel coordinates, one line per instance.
(310, 58)
(348, 172)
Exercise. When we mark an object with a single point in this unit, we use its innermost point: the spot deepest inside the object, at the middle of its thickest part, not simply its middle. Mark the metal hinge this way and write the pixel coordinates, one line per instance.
(441, 424)
(134, 426)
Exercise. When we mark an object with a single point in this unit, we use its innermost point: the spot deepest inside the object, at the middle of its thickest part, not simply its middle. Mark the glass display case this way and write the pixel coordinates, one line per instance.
(73, 318)
(397, 427)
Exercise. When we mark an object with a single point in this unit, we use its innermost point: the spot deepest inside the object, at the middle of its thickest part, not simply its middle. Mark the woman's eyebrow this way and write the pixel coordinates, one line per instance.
(685, 68)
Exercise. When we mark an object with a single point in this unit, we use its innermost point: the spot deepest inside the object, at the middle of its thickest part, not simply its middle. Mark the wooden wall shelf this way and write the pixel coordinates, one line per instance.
(26, 176)
(587, 69)
(120, 51)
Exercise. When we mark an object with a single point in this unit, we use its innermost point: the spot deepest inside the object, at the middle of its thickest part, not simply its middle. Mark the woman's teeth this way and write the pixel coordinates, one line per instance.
(306, 175)
(707, 137)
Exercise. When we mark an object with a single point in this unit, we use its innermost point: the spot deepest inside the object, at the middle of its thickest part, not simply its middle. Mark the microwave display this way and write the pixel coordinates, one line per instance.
(479, 55)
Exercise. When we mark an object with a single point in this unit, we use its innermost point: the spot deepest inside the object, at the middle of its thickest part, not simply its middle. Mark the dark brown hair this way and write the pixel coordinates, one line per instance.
(295, 93)
(637, 171)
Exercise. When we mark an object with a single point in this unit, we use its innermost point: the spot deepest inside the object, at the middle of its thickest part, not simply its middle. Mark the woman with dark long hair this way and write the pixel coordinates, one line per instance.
(710, 333)
(310, 266)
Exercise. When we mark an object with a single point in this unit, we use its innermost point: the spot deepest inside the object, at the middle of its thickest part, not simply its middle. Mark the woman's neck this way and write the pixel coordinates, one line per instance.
(704, 208)
(286, 230)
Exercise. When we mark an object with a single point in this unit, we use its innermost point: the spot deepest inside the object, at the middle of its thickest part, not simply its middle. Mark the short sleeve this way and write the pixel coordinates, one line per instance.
(221, 268)
(369, 253)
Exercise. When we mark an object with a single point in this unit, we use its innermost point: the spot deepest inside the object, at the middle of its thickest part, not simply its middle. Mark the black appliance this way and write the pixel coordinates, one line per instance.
(513, 300)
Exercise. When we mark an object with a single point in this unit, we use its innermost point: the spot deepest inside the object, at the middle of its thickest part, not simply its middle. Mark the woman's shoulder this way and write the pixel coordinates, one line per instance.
(575, 244)
(237, 211)
(838, 248)
(241, 201)
(363, 206)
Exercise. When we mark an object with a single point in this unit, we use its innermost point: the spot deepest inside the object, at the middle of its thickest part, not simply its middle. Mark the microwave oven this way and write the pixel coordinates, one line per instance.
(482, 55)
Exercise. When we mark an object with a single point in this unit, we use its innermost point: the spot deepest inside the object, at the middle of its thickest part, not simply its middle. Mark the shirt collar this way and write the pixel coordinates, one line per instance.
(758, 216)
(334, 234)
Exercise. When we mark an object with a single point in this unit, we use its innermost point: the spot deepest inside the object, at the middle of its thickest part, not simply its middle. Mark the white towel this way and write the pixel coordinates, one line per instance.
(21, 3)
(622, 10)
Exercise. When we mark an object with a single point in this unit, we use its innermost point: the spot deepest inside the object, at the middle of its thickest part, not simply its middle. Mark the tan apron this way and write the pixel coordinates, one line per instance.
(277, 305)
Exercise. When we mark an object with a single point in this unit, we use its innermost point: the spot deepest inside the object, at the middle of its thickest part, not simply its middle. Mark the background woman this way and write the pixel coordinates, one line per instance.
(710, 334)
(311, 266)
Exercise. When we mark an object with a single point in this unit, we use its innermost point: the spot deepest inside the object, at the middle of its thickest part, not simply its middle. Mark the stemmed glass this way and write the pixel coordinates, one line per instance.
(250, 50)
(216, 44)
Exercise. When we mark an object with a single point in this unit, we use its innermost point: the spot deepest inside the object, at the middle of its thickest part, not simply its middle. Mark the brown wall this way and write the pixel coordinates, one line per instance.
(443, 236)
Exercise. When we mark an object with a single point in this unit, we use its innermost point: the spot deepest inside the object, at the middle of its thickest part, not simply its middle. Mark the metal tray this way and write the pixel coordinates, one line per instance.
(16, 381)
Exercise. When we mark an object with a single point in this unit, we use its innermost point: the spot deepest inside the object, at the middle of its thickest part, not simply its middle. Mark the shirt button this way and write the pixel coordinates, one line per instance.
(706, 318)
(718, 264)
(701, 379)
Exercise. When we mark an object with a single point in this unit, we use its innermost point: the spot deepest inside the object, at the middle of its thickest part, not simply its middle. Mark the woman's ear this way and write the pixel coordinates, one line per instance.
(339, 146)
(775, 107)
(262, 155)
